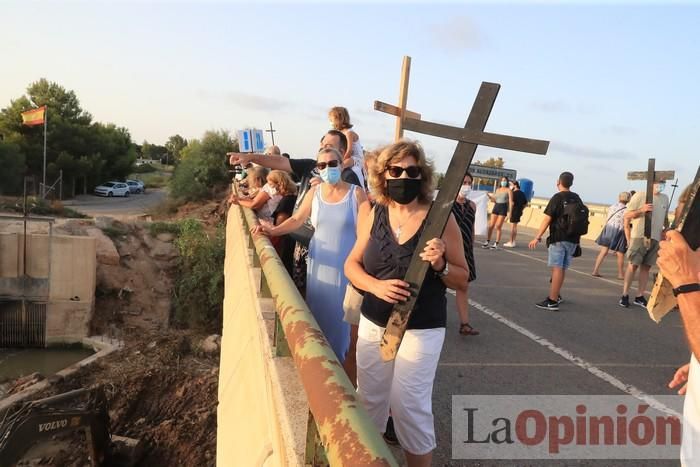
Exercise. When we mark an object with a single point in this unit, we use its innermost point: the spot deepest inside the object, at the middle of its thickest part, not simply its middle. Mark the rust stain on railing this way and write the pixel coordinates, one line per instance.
(348, 434)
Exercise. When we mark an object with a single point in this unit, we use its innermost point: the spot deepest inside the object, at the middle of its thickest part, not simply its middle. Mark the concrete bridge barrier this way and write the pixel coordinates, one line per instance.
(264, 396)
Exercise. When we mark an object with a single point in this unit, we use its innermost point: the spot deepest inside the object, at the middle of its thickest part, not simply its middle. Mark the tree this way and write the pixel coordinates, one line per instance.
(439, 177)
(203, 166)
(174, 146)
(492, 162)
(11, 168)
(83, 149)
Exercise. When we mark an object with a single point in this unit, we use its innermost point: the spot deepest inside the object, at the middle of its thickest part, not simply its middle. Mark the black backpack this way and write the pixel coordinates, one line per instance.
(574, 218)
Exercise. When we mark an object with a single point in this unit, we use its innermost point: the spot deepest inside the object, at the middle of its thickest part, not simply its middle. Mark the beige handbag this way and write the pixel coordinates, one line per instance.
(352, 303)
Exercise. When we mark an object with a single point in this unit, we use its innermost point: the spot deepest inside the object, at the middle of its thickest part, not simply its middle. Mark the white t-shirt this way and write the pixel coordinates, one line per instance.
(690, 446)
(266, 211)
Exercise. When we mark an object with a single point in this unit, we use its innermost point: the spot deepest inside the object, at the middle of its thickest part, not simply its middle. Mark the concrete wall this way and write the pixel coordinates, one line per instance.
(255, 417)
(534, 213)
(65, 280)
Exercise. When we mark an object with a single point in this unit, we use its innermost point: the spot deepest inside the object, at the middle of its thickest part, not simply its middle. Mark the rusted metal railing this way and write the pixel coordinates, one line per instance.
(348, 435)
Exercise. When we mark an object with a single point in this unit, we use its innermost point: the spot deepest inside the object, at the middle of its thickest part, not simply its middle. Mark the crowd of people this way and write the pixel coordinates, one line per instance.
(347, 234)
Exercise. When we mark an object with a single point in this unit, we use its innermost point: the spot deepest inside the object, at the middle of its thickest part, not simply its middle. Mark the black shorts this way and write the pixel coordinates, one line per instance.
(515, 217)
(500, 209)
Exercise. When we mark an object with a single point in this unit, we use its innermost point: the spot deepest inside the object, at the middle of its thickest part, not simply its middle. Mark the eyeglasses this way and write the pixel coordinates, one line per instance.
(413, 171)
(323, 165)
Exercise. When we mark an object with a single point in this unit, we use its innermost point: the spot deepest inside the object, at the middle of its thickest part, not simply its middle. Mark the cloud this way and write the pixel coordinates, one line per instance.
(256, 102)
(457, 34)
(619, 130)
(551, 106)
(248, 101)
(560, 106)
(591, 152)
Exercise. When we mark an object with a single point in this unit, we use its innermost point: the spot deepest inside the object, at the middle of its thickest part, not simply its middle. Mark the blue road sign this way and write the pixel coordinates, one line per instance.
(245, 141)
(258, 140)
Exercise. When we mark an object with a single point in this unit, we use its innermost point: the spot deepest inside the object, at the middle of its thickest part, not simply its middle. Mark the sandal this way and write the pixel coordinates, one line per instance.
(596, 275)
(466, 329)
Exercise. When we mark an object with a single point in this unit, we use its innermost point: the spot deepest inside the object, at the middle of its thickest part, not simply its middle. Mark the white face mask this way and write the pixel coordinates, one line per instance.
(465, 190)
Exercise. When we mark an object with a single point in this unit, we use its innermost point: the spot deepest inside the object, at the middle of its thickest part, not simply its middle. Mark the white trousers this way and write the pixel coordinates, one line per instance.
(404, 385)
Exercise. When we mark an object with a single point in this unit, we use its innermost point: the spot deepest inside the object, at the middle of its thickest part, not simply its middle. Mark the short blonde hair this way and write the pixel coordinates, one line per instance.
(392, 154)
(285, 184)
(257, 177)
(340, 117)
(273, 150)
(624, 197)
(333, 151)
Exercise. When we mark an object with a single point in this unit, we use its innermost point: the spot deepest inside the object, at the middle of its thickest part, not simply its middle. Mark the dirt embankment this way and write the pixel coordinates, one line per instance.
(161, 388)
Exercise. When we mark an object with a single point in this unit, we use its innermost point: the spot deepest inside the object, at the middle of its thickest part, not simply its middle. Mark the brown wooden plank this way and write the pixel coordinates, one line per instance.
(436, 220)
(661, 300)
(651, 172)
(403, 96)
(659, 176)
(470, 135)
(393, 110)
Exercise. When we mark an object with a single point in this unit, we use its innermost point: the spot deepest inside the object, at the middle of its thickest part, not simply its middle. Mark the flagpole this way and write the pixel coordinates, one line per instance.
(46, 120)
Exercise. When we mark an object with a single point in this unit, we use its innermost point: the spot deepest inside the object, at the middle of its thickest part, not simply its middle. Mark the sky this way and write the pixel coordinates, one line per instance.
(610, 85)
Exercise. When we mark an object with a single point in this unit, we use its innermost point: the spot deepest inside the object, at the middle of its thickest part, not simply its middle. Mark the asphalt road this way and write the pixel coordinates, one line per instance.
(134, 205)
(592, 346)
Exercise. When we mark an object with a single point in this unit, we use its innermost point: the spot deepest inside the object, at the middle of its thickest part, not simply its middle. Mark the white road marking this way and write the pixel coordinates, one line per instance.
(521, 364)
(618, 283)
(594, 370)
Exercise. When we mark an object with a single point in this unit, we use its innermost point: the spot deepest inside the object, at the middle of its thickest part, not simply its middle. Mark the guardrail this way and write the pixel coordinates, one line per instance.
(347, 435)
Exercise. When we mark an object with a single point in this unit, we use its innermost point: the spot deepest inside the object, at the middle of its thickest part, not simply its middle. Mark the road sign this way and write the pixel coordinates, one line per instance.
(245, 142)
(492, 172)
(258, 141)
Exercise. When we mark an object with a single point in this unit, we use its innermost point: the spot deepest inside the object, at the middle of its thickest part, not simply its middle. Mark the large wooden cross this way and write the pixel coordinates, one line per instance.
(651, 176)
(662, 300)
(469, 138)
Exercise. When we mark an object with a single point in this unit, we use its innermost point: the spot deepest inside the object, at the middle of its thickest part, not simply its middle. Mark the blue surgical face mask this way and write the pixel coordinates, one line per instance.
(330, 175)
(504, 184)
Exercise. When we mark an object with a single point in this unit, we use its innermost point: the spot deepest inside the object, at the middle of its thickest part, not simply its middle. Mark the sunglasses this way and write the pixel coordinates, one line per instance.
(323, 165)
(413, 171)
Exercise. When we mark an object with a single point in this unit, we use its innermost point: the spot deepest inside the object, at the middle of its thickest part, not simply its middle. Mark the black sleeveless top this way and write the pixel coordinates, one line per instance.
(384, 258)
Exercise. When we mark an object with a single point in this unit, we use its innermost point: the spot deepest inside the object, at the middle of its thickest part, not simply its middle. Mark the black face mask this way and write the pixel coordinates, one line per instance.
(403, 190)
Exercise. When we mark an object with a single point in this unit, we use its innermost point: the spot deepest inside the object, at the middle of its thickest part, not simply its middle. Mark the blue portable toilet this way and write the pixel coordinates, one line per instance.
(527, 186)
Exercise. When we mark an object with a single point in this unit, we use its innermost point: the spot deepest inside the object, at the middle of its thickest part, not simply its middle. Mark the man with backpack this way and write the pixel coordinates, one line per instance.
(567, 219)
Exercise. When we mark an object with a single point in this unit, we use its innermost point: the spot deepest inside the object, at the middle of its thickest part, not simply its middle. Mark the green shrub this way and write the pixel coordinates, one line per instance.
(114, 231)
(41, 207)
(144, 169)
(155, 228)
(199, 288)
(203, 167)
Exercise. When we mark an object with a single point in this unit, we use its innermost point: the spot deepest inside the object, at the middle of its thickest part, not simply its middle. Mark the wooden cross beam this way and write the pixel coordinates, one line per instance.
(469, 138)
(662, 300)
(651, 176)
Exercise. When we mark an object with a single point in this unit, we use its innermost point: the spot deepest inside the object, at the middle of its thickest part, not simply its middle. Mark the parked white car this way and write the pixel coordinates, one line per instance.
(136, 186)
(112, 189)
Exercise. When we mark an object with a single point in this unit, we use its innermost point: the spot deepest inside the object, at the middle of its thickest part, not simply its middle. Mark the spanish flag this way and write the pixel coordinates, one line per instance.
(34, 117)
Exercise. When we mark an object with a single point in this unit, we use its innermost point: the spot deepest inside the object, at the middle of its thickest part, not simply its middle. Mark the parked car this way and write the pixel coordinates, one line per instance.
(112, 189)
(136, 186)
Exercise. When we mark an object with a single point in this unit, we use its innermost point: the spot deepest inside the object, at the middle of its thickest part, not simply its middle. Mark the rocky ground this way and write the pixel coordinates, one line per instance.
(161, 388)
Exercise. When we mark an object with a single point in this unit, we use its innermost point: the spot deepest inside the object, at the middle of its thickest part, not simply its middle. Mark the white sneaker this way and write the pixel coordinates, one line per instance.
(485, 245)
(509, 245)
(494, 246)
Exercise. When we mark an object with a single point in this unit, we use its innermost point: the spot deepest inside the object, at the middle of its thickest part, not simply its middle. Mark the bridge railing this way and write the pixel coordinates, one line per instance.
(346, 433)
